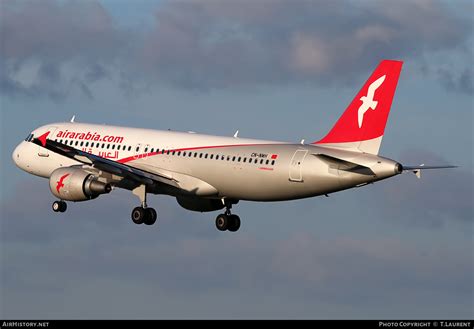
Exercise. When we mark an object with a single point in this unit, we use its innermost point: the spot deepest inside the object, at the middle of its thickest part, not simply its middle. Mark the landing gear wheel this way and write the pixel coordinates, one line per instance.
(59, 206)
(222, 222)
(150, 217)
(234, 223)
(138, 215)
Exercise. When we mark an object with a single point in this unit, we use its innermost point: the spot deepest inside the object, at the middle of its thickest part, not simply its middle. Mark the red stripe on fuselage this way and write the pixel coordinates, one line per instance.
(140, 156)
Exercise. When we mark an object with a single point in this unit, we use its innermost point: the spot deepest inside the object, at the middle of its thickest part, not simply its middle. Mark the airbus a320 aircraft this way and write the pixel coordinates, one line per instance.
(208, 173)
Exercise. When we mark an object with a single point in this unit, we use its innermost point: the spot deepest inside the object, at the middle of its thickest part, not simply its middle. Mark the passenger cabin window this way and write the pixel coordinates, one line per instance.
(273, 162)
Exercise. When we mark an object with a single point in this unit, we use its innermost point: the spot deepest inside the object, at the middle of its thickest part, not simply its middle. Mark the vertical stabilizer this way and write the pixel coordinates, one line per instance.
(361, 126)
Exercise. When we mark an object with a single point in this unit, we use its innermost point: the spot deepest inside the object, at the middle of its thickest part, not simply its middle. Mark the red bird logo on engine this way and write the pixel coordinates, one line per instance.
(60, 182)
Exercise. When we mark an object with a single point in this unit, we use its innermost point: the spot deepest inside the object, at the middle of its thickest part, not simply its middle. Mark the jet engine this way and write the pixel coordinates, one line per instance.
(199, 204)
(75, 184)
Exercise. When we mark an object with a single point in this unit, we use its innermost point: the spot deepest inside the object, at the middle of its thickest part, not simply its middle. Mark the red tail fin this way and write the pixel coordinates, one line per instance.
(363, 123)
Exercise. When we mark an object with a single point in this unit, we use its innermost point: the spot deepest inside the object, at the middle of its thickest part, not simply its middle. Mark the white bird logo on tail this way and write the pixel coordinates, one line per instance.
(368, 101)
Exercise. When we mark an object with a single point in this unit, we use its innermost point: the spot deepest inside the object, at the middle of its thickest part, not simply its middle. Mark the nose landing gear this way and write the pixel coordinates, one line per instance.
(59, 206)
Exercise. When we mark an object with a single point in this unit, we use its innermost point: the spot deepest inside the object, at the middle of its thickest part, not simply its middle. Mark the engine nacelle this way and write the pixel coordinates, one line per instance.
(74, 184)
(199, 204)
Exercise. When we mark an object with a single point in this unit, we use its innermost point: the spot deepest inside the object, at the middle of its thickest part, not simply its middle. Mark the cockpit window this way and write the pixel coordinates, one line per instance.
(30, 137)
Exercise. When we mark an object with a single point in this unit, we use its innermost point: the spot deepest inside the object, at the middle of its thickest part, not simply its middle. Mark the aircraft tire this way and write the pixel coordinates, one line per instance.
(222, 222)
(150, 217)
(59, 206)
(234, 223)
(138, 215)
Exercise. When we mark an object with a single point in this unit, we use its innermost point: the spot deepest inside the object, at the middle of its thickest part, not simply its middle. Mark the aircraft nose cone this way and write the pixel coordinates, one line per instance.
(17, 156)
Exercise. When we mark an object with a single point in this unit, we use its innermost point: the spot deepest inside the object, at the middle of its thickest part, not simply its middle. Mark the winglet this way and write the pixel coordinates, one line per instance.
(43, 137)
(73, 117)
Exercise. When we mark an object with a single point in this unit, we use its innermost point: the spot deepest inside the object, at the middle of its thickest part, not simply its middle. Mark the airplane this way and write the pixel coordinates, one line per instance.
(209, 173)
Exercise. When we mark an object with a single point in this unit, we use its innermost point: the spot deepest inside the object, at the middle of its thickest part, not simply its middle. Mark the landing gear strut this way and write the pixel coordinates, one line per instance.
(143, 214)
(59, 206)
(227, 221)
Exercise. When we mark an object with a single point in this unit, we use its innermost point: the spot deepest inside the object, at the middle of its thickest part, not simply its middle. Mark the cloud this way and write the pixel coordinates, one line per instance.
(91, 264)
(59, 47)
(49, 48)
(457, 81)
(217, 43)
(436, 200)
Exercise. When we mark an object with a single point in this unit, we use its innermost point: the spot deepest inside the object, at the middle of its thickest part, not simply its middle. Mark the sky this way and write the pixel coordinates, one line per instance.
(272, 69)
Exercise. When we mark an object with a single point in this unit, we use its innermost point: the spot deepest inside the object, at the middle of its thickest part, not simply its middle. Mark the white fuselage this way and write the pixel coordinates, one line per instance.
(210, 166)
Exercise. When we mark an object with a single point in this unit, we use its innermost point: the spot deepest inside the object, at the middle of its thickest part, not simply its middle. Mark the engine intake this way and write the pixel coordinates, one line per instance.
(74, 184)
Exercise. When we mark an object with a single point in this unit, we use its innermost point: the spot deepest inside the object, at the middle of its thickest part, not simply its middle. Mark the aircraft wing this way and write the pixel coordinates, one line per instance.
(110, 166)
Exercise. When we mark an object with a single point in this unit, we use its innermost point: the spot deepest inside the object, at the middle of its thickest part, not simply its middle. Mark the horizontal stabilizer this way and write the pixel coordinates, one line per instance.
(417, 169)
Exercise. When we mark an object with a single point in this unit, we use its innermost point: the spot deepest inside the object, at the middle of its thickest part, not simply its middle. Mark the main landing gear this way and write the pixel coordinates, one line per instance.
(59, 206)
(227, 221)
(143, 214)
